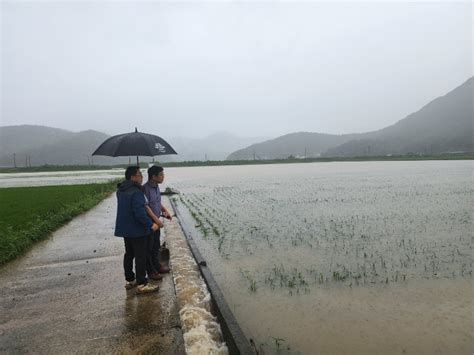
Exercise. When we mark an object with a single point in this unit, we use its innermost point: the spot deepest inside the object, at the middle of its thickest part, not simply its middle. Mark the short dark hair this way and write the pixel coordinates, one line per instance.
(154, 170)
(131, 170)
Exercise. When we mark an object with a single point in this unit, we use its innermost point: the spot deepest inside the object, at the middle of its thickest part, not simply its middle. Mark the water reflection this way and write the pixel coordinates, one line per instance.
(142, 312)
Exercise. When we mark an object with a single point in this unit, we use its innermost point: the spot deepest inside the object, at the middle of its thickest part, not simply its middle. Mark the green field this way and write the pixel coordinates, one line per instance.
(29, 214)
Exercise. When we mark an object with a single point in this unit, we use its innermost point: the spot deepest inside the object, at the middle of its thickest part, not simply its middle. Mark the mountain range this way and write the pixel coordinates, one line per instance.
(443, 125)
(39, 145)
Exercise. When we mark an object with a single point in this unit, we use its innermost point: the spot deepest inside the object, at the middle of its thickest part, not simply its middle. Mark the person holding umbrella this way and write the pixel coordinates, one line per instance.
(134, 226)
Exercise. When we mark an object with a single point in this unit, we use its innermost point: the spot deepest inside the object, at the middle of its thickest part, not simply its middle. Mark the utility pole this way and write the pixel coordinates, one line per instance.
(305, 152)
(14, 160)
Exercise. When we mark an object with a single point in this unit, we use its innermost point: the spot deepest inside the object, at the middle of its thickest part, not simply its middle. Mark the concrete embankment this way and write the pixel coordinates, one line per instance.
(67, 295)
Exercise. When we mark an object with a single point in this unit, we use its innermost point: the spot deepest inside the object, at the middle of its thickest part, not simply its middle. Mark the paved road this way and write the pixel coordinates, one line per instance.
(67, 295)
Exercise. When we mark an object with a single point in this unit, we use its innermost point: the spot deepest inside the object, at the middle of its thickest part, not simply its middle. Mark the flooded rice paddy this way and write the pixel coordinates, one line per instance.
(340, 257)
(59, 178)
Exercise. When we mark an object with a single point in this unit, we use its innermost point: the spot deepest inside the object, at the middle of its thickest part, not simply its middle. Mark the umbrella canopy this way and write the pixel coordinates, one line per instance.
(135, 143)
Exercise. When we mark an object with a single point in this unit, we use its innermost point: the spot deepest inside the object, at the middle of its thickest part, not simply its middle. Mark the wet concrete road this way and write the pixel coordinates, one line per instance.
(67, 295)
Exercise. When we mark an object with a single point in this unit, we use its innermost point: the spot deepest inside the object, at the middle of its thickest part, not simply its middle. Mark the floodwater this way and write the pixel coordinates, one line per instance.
(59, 178)
(201, 331)
(345, 258)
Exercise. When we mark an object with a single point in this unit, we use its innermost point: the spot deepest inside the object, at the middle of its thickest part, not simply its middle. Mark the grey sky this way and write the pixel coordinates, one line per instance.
(249, 68)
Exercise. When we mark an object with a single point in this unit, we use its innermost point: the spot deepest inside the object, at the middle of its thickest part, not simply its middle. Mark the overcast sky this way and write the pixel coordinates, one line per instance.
(249, 68)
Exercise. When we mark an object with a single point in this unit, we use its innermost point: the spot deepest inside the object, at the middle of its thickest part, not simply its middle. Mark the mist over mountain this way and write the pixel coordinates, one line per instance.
(294, 144)
(40, 145)
(15, 139)
(216, 146)
(443, 125)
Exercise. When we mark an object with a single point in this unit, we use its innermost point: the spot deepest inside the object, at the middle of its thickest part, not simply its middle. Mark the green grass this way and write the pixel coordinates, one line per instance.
(29, 214)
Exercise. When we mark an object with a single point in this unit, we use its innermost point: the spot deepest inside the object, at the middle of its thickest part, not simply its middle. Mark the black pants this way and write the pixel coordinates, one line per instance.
(135, 248)
(153, 253)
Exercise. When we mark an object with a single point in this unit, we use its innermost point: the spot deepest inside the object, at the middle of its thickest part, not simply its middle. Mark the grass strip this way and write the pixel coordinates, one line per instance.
(29, 214)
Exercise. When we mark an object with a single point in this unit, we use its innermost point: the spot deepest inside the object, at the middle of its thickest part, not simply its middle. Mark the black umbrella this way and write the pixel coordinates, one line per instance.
(135, 143)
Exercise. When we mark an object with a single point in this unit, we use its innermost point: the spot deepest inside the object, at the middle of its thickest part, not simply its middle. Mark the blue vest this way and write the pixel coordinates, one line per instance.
(132, 219)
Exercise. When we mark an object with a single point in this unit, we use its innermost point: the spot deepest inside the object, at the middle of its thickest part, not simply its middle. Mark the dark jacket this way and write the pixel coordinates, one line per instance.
(132, 219)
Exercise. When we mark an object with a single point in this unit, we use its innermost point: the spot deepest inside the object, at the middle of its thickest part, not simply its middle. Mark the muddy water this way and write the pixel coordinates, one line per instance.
(201, 331)
(424, 318)
(406, 227)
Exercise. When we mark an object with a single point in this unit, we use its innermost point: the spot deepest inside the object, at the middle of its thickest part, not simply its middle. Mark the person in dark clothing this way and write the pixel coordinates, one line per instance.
(153, 194)
(135, 227)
